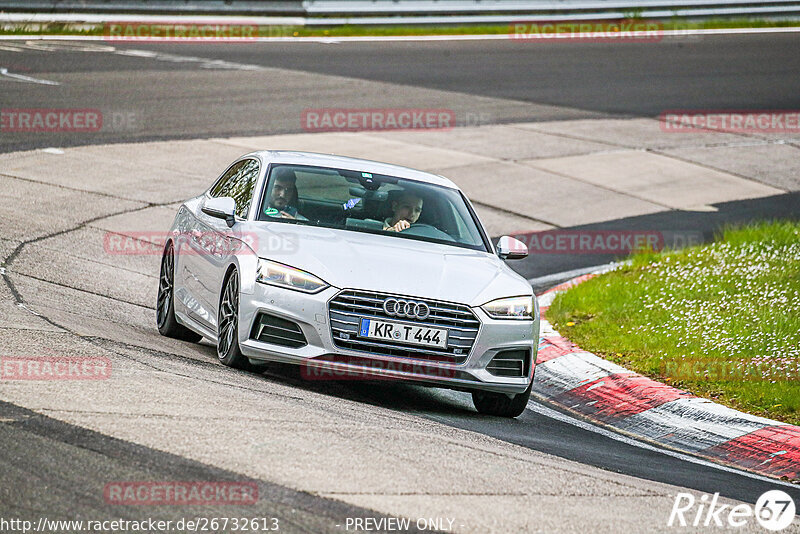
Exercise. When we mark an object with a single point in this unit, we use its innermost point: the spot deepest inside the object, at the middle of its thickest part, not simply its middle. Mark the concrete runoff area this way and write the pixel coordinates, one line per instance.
(66, 294)
(586, 174)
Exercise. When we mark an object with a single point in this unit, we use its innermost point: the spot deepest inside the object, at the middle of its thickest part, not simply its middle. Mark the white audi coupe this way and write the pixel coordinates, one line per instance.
(352, 269)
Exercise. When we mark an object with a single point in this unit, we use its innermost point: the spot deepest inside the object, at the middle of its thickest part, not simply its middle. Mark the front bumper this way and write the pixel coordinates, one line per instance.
(321, 359)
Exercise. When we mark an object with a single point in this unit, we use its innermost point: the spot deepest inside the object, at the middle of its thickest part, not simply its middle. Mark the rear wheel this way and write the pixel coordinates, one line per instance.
(228, 349)
(165, 305)
(500, 404)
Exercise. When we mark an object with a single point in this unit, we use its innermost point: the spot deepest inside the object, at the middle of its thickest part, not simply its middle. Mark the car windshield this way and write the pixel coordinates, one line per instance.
(370, 203)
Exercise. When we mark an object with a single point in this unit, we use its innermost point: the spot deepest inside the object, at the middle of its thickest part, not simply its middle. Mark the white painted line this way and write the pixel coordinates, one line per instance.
(137, 53)
(54, 46)
(541, 409)
(574, 273)
(410, 38)
(58, 46)
(21, 78)
(203, 63)
(565, 275)
(51, 150)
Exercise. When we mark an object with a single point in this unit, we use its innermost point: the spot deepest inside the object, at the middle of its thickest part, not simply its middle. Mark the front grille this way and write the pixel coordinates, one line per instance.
(510, 363)
(271, 329)
(349, 306)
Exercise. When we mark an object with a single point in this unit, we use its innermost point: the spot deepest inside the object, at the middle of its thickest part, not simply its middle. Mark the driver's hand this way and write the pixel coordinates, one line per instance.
(286, 215)
(401, 225)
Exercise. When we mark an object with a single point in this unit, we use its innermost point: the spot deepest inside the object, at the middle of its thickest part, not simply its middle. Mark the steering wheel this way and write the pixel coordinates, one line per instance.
(427, 230)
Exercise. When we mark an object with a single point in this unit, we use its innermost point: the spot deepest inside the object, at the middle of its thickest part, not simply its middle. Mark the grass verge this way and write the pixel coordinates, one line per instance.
(79, 29)
(721, 320)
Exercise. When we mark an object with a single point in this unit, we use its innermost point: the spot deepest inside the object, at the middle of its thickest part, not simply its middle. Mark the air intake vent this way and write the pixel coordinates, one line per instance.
(510, 363)
(271, 329)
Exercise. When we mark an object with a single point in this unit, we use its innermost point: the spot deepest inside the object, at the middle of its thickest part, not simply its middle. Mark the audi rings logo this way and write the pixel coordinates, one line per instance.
(406, 308)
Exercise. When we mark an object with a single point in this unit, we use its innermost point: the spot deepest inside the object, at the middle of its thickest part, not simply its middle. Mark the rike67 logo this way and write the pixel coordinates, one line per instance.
(774, 510)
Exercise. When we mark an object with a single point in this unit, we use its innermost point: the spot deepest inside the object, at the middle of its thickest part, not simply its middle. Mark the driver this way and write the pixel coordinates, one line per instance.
(405, 212)
(283, 199)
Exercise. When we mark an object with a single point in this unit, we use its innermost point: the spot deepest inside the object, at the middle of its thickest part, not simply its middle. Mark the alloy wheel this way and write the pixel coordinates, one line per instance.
(165, 287)
(228, 316)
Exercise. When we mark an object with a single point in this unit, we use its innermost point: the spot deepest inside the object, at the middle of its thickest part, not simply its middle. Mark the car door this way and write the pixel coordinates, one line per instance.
(215, 242)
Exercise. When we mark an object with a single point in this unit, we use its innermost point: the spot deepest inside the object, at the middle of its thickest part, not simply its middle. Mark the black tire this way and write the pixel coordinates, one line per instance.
(165, 303)
(228, 349)
(500, 404)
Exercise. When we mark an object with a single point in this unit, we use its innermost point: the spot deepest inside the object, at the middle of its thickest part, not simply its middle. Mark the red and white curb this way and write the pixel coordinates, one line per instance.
(612, 396)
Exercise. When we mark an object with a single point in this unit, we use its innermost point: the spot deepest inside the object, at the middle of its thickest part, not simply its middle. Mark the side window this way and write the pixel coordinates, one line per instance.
(238, 183)
(217, 188)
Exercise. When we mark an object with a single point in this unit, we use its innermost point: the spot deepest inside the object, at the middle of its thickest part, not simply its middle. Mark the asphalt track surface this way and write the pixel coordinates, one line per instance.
(508, 81)
(177, 99)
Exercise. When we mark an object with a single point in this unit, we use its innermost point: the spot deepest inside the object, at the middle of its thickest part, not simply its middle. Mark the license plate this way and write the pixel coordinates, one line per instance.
(403, 333)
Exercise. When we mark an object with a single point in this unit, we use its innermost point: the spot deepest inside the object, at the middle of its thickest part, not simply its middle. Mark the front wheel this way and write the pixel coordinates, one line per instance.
(228, 349)
(500, 404)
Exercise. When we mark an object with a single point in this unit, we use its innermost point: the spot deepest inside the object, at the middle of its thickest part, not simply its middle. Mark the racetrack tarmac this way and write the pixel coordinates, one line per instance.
(191, 90)
(320, 452)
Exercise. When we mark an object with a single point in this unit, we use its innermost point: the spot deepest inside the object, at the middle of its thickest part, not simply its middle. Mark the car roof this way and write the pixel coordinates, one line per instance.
(351, 164)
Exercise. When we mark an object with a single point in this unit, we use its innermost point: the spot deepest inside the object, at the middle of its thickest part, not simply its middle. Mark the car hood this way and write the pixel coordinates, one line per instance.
(349, 259)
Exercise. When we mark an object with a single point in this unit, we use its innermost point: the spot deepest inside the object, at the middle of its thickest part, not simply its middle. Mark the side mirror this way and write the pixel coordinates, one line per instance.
(221, 208)
(509, 248)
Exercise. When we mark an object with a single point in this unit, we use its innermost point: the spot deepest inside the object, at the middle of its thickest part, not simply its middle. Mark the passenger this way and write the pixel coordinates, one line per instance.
(283, 199)
(405, 212)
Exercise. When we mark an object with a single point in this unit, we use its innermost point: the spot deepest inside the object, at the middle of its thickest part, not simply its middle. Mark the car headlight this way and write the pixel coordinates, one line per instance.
(277, 274)
(510, 308)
